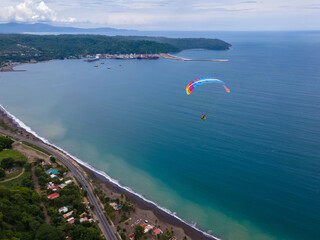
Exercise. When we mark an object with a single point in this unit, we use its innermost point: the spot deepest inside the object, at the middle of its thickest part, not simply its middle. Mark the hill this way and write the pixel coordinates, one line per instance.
(186, 43)
(46, 28)
(20, 48)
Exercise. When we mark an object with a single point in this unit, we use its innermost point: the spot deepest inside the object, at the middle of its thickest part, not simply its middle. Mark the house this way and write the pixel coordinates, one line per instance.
(53, 196)
(131, 236)
(143, 225)
(62, 185)
(86, 219)
(70, 220)
(148, 228)
(83, 214)
(68, 182)
(52, 171)
(157, 231)
(53, 175)
(43, 164)
(115, 206)
(51, 186)
(67, 214)
(63, 209)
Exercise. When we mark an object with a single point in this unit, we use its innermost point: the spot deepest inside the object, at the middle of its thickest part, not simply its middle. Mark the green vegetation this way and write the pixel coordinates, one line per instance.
(11, 161)
(186, 43)
(3, 124)
(36, 147)
(138, 232)
(17, 157)
(25, 180)
(46, 231)
(2, 173)
(168, 234)
(52, 159)
(17, 171)
(20, 213)
(5, 143)
(71, 196)
(24, 48)
(7, 163)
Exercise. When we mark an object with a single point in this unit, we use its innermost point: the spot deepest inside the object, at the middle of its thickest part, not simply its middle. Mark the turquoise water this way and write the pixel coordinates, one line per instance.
(251, 171)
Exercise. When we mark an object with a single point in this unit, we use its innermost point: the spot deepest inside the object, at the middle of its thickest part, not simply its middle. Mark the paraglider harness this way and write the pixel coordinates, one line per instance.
(204, 117)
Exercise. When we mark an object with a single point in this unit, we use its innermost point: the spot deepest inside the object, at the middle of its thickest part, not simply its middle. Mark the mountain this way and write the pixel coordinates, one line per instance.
(41, 27)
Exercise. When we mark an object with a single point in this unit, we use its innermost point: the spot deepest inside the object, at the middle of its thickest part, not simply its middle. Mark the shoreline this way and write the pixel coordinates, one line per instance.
(172, 57)
(10, 68)
(19, 128)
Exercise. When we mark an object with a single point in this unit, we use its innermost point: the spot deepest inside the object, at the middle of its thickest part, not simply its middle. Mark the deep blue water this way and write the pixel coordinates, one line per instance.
(250, 171)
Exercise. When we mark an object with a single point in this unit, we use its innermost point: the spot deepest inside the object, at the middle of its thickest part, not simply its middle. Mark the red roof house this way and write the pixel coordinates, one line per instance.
(131, 236)
(53, 196)
(157, 231)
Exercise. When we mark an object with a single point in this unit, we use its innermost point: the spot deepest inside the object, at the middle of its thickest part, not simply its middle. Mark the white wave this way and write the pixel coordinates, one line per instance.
(173, 214)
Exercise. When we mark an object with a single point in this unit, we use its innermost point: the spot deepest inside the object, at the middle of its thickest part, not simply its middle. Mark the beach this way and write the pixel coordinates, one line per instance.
(144, 210)
(136, 124)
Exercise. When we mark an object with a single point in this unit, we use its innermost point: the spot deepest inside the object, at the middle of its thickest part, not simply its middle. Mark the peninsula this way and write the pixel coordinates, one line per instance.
(24, 48)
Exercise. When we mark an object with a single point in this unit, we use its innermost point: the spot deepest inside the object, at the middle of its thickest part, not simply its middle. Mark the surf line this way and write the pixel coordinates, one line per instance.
(101, 173)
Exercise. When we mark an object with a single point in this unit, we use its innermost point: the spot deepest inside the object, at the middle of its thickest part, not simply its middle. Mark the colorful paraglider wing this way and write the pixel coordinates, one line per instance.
(199, 81)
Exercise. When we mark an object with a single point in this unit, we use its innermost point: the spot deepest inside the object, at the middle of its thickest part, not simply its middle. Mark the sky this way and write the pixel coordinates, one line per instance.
(187, 15)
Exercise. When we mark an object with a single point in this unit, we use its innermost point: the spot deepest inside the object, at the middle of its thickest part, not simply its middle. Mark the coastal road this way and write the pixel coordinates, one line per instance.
(106, 229)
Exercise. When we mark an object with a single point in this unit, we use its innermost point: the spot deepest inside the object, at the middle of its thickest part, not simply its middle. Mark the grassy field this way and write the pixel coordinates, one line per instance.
(17, 171)
(13, 154)
(18, 181)
(17, 156)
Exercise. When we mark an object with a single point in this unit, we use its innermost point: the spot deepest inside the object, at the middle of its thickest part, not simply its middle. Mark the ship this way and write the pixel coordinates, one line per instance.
(92, 59)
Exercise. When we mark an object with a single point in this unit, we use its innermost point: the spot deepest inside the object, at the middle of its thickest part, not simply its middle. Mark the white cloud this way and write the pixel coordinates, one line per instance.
(168, 15)
(31, 11)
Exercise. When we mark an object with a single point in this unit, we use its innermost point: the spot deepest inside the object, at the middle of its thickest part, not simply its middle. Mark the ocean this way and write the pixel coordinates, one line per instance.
(250, 171)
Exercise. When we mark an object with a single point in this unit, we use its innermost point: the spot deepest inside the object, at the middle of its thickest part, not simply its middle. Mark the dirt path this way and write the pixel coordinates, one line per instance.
(13, 177)
(37, 189)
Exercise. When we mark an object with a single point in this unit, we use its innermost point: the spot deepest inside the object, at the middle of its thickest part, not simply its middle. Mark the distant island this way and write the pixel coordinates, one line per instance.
(24, 48)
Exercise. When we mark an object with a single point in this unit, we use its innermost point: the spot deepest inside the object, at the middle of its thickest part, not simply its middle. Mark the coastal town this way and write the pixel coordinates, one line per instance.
(64, 197)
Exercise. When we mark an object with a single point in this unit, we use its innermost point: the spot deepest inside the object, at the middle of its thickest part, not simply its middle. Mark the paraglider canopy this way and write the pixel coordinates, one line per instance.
(199, 81)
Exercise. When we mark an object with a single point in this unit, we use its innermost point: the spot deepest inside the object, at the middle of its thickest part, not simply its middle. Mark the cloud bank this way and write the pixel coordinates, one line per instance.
(167, 14)
(31, 11)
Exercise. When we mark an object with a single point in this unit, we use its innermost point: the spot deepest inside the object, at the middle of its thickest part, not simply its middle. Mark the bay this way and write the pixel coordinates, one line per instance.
(250, 171)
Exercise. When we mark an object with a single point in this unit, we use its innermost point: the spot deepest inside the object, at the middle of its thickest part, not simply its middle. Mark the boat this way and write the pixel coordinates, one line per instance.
(96, 65)
(92, 59)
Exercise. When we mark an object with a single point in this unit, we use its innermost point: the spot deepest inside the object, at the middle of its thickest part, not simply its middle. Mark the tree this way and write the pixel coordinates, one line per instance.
(138, 232)
(7, 163)
(2, 173)
(46, 231)
(5, 143)
(52, 159)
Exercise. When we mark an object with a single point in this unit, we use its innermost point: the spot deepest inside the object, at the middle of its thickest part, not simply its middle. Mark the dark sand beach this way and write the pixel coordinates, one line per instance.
(143, 210)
